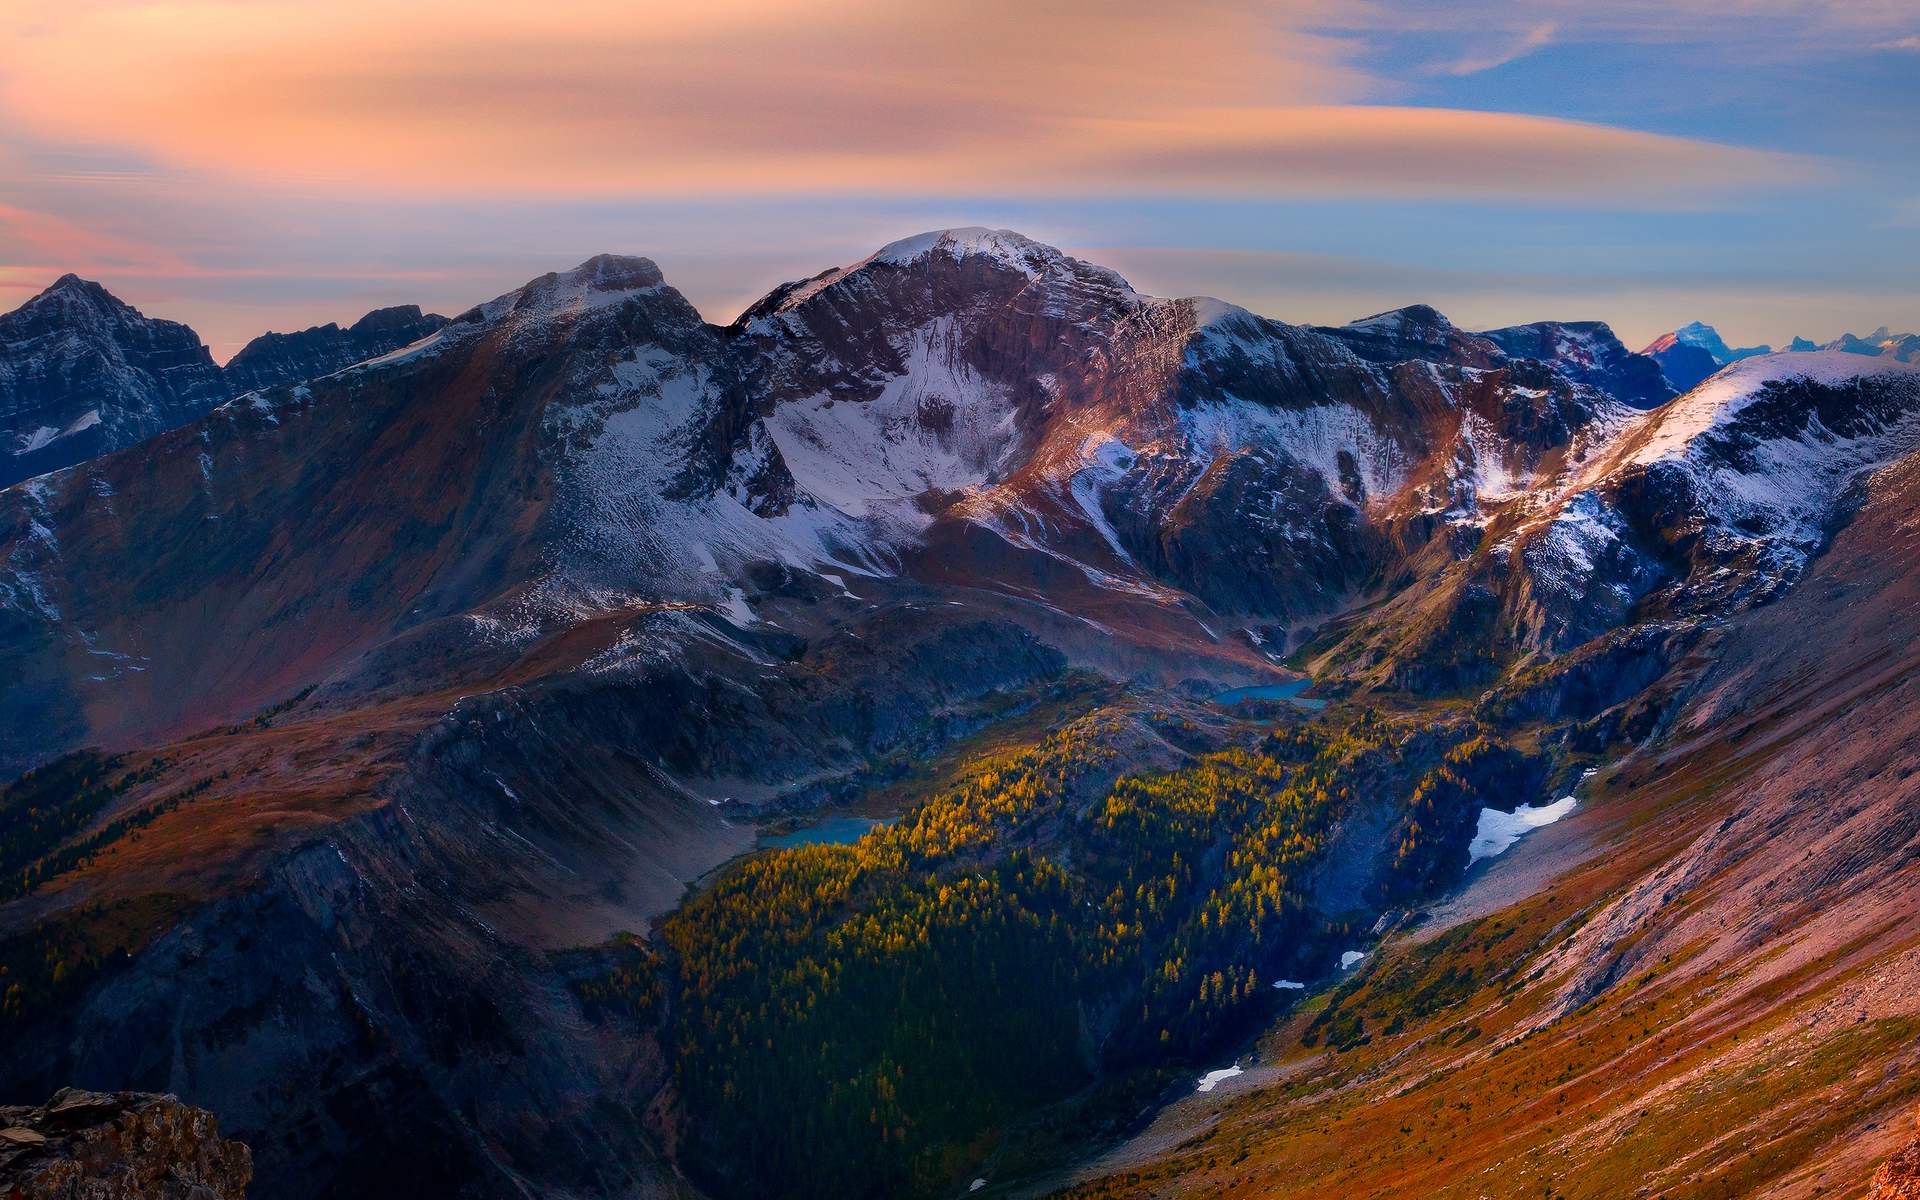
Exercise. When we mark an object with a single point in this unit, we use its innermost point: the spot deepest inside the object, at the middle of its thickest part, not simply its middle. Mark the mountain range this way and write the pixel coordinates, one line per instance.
(83, 374)
(1690, 354)
(377, 719)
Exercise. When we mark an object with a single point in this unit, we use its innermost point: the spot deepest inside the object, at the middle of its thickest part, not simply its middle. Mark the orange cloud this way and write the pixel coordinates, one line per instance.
(599, 97)
(37, 241)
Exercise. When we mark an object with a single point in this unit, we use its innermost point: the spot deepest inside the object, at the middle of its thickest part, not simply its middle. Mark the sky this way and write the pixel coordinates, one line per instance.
(245, 165)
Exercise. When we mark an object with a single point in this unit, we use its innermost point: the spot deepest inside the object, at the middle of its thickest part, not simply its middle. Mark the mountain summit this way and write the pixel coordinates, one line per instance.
(1694, 351)
(81, 374)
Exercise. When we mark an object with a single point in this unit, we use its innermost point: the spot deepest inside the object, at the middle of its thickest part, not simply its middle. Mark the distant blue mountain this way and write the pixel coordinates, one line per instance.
(1695, 351)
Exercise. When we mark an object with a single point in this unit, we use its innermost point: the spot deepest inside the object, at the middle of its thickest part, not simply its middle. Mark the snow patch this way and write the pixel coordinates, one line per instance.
(1004, 246)
(46, 435)
(1313, 436)
(1213, 1079)
(1107, 461)
(1001, 245)
(1499, 830)
(737, 610)
(936, 426)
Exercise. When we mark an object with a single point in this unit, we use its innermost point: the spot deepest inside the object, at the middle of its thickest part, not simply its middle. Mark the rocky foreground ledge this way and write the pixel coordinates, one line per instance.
(118, 1146)
(1899, 1177)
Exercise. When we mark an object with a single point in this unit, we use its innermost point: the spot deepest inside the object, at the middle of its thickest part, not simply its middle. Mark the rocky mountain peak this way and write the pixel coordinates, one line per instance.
(71, 300)
(72, 282)
(1694, 351)
(1417, 331)
(602, 280)
(1001, 245)
(957, 269)
(81, 372)
(1903, 347)
(400, 318)
(547, 310)
(1588, 352)
(1684, 364)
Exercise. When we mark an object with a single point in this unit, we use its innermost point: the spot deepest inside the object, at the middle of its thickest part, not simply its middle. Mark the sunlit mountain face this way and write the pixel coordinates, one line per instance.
(966, 720)
(1340, 623)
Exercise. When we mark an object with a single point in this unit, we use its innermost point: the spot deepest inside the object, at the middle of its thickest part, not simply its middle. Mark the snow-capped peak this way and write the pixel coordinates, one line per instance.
(73, 295)
(1702, 336)
(1400, 320)
(602, 280)
(1011, 249)
(1002, 245)
(1208, 311)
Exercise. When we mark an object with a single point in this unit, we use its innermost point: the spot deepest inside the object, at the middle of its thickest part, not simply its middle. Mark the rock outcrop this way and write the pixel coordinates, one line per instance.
(118, 1146)
(1899, 1177)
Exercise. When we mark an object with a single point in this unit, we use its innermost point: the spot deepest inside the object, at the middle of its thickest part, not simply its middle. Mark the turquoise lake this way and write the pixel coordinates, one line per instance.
(834, 831)
(1273, 691)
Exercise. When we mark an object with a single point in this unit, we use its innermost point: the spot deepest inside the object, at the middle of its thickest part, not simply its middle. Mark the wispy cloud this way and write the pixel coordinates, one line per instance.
(1904, 213)
(1745, 32)
(1906, 43)
(1540, 35)
(623, 98)
(247, 164)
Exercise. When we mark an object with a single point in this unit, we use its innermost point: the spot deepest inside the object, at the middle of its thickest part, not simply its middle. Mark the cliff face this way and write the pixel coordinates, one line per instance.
(118, 1146)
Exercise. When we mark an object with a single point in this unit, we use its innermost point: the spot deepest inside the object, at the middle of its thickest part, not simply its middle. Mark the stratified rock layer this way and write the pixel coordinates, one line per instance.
(118, 1146)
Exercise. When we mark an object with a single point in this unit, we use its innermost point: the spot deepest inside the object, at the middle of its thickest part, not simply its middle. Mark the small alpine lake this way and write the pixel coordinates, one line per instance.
(1289, 691)
(830, 831)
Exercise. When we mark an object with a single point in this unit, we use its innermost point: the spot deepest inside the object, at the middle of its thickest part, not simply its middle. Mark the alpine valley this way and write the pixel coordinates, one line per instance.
(898, 743)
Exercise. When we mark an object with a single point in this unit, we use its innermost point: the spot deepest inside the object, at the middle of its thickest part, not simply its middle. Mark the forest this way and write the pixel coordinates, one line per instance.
(865, 1019)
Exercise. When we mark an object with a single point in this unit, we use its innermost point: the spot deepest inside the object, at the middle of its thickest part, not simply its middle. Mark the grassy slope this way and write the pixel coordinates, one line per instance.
(1678, 1083)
